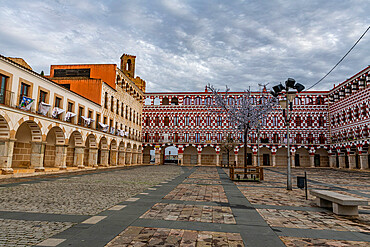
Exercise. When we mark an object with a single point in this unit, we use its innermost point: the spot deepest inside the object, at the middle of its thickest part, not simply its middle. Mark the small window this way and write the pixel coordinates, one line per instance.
(25, 90)
(57, 102)
(106, 100)
(187, 101)
(319, 101)
(80, 114)
(117, 107)
(231, 101)
(175, 121)
(43, 96)
(197, 101)
(208, 101)
(298, 121)
(70, 106)
(165, 101)
(309, 121)
(156, 121)
(321, 121)
(197, 137)
(219, 121)
(174, 101)
(111, 103)
(186, 121)
(208, 121)
(166, 121)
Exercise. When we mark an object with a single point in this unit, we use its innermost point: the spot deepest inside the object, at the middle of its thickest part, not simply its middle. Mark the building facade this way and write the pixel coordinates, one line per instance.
(66, 121)
(328, 129)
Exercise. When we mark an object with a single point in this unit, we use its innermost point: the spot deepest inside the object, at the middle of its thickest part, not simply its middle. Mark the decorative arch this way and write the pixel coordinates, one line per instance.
(190, 155)
(76, 139)
(4, 128)
(208, 156)
(113, 145)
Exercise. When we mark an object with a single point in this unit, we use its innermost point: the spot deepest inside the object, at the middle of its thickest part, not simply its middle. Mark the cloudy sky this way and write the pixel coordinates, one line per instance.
(181, 45)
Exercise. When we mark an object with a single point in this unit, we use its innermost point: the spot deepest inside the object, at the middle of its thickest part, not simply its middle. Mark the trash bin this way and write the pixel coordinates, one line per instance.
(300, 182)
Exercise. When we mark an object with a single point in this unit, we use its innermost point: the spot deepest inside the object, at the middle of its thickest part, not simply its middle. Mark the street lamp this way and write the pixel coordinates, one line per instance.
(286, 104)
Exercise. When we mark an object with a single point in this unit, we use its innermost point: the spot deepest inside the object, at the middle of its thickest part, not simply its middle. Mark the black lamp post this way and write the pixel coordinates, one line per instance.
(286, 104)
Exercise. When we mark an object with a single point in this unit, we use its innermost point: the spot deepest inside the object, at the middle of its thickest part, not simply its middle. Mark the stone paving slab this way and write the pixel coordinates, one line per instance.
(182, 212)
(314, 220)
(301, 242)
(196, 192)
(145, 236)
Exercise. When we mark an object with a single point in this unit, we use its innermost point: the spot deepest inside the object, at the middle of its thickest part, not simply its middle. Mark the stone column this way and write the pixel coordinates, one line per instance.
(93, 157)
(104, 156)
(61, 156)
(157, 160)
(199, 158)
(180, 159)
(352, 161)
(235, 159)
(140, 158)
(6, 156)
(342, 161)
(121, 158)
(79, 157)
(332, 160)
(364, 163)
(217, 158)
(312, 160)
(255, 162)
(273, 159)
(292, 159)
(37, 156)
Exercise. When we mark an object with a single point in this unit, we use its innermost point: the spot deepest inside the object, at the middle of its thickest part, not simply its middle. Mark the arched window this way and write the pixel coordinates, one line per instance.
(230, 101)
(319, 101)
(174, 101)
(263, 100)
(128, 64)
(208, 101)
(157, 101)
(240, 101)
(297, 101)
(197, 121)
(148, 101)
(198, 101)
(165, 101)
(275, 138)
(308, 101)
(219, 121)
(187, 101)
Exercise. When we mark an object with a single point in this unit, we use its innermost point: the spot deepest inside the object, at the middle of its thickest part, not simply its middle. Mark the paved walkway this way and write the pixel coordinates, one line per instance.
(198, 207)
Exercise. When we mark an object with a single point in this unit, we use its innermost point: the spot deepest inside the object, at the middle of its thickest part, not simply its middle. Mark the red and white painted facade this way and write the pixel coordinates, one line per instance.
(317, 139)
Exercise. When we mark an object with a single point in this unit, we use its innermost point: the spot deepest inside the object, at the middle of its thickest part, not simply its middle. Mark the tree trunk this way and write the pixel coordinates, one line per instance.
(245, 151)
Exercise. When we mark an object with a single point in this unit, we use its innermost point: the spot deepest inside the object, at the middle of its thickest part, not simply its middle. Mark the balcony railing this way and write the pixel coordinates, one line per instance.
(6, 98)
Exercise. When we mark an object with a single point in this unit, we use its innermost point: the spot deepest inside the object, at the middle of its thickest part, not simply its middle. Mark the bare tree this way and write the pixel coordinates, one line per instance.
(244, 113)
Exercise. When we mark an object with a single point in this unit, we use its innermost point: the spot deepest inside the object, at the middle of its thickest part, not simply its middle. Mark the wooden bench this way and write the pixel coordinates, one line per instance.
(341, 204)
(245, 170)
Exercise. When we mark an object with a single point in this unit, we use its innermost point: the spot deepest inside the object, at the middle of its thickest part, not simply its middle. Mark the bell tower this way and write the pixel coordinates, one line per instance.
(128, 65)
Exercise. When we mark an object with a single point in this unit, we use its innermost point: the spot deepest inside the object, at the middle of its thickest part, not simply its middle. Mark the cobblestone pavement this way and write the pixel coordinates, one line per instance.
(289, 209)
(140, 236)
(84, 195)
(182, 212)
(25, 233)
(196, 192)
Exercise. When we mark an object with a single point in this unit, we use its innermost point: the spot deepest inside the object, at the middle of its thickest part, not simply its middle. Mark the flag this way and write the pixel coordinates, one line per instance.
(112, 130)
(26, 103)
(87, 120)
(56, 111)
(69, 115)
(44, 108)
(104, 127)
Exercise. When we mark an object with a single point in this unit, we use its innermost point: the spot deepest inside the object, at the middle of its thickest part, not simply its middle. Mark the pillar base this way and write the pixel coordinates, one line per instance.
(6, 171)
(40, 169)
(81, 166)
(62, 168)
